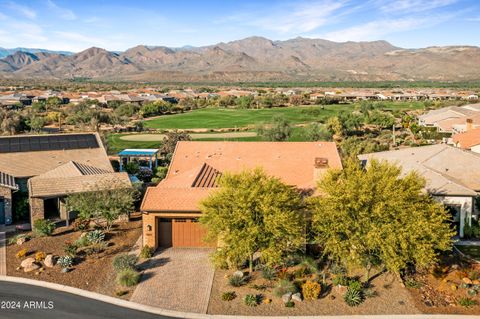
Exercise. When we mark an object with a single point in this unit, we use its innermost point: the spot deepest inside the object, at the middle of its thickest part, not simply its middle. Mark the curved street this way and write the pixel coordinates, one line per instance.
(26, 301)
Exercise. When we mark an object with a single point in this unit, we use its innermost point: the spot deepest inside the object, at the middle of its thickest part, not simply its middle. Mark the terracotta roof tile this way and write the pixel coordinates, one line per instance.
(467, 139)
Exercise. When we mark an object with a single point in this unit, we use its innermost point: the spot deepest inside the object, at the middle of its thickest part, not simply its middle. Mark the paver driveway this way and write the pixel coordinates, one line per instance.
(177, 279)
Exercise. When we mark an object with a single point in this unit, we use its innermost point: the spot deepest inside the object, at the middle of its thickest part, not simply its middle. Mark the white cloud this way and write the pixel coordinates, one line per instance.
(63, 13)
(408, 6)
(23, 10)
(297, 17)
(474, 19)
(376, 30)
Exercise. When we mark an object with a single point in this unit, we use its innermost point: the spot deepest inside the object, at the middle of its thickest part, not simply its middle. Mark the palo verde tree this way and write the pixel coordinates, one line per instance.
(104, 204)
(252, 212)
(376, 214)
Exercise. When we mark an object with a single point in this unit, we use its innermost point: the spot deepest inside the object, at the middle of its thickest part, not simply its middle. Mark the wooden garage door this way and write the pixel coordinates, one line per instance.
(187, 233)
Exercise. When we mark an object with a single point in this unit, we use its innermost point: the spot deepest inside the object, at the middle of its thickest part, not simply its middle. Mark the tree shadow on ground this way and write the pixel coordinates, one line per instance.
(153, 263)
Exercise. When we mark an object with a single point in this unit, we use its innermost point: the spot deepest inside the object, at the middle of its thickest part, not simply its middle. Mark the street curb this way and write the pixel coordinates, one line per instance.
(178, 314)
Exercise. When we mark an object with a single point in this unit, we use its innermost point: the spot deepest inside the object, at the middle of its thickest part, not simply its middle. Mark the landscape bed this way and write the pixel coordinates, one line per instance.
(93, 273)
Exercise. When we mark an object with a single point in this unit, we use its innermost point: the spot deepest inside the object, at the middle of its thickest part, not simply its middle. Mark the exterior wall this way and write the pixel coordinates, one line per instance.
(466, 207)
(37, 209)
(476, 148)
(6, 194)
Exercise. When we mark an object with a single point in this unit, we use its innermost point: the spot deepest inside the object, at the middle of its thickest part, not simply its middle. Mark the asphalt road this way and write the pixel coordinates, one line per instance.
(25, 301)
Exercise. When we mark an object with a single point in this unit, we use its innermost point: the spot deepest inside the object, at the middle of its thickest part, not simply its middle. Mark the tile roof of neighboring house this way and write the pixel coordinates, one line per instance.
(448, 125)
(195, 167)
(41, 186)
(442, 166)
(7, 181)
(33, 163)
(467, 139)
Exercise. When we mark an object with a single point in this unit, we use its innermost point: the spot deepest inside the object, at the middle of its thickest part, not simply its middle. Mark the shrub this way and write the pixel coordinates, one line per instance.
(251, 300)
(43, 227)
(290, 304)
(125, 262)
(146, 252)
(355, 285)
(80, 224)
(268, 273)
(96, 248)
(311, 290)
(21, 253)
(237, 281)
(466, 302)
(412, 283)
(128, 277)
(353, 297)
(13, 240)
(283, 287)
(70, 249)
(229, 296)
(340, 280)
(95, 236)
(39, 256)
(65, 261)
(81, 242)
(370, 293)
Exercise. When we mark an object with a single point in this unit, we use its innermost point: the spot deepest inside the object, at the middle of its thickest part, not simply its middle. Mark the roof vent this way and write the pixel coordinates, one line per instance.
(321, 162)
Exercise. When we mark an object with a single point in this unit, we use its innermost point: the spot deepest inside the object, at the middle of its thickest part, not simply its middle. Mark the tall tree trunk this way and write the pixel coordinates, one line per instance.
(250, 264)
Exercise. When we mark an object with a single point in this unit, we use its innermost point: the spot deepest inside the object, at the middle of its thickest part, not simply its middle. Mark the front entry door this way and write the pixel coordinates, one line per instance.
(164, 233)
(2, 211)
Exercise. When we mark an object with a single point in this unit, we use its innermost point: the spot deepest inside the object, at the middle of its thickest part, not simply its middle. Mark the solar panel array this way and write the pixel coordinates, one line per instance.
(47, 143)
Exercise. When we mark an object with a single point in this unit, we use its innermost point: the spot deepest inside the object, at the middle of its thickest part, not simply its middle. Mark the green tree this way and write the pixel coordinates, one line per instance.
(170, 142)
(279, 130)
(103, 205)
(36, 123)
(317, 132)
(335, 126)
(376, 214)
(252, 212)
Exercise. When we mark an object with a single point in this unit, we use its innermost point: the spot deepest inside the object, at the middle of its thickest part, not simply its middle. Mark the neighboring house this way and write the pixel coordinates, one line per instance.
(171, 209)
(458, 125)
(469, 140)
(47, 168)
(451, 112)
(452, 175)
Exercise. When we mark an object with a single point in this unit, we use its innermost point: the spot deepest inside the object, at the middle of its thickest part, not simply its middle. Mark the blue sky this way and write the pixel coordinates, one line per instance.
(118, 25)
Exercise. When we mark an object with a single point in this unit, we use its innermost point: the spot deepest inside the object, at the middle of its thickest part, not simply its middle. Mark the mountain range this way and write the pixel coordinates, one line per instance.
(252, 59)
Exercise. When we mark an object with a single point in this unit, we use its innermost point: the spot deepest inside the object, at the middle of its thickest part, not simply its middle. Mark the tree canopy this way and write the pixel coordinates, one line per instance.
(252, 212)
(376, 214)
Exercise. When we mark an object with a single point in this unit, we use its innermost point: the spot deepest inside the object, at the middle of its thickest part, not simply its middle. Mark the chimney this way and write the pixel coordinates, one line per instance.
(320, 167)
(469, 125)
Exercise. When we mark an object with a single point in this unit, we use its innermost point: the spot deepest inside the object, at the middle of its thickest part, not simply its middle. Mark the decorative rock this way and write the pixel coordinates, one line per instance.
(27, 262)
(297, 297)
(267, 301)
(454, 287)
(287, 297)
(476, 282)
(238, 273)
(31, 267)
(21, 241)
(49, 261)
(467, 280)
(455, 266)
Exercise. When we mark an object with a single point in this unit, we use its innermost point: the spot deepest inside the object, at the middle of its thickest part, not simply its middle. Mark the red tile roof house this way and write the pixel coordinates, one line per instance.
(469, 140)
(171, 209)
(49, 167)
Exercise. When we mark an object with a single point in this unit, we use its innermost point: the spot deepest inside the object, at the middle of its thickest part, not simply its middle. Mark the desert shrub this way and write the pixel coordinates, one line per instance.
(80, 224)
(43, 227)
(96, 248)
(13, 240)
(290, 304)
(353, 297)
(237, 281)
(128, 277)
(146, 252)
(39, 256)
(268, 273)
(300, 273)
(311, 290)
(370, 293)
(338, 269)
(340, 280)
(124, 262)
(467, 302)
(229, 296)
(283, 287)
(82, 242)
(412, 283)
(259, 287)
(70, 249)
(310, 265)
(251, 300)
(95, 236)
(355, 285)
(21, 253)
(65, 261)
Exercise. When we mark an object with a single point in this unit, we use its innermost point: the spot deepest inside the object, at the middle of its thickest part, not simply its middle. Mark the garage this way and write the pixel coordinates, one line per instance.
(180, 233)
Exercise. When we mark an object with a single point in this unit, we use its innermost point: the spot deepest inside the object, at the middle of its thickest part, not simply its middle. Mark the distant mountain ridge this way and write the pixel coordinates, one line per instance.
(254, 59)
(6, 52)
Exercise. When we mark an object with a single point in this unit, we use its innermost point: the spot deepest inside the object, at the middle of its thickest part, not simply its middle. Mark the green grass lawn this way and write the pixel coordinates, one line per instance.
(471, 251)
(227, 118)
(115, 144)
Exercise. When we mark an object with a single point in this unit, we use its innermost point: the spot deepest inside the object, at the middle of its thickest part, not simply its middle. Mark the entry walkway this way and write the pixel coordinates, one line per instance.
(177, 279)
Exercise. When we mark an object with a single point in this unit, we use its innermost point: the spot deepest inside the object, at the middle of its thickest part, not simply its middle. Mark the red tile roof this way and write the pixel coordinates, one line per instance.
(196, 166)
(467, 139)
